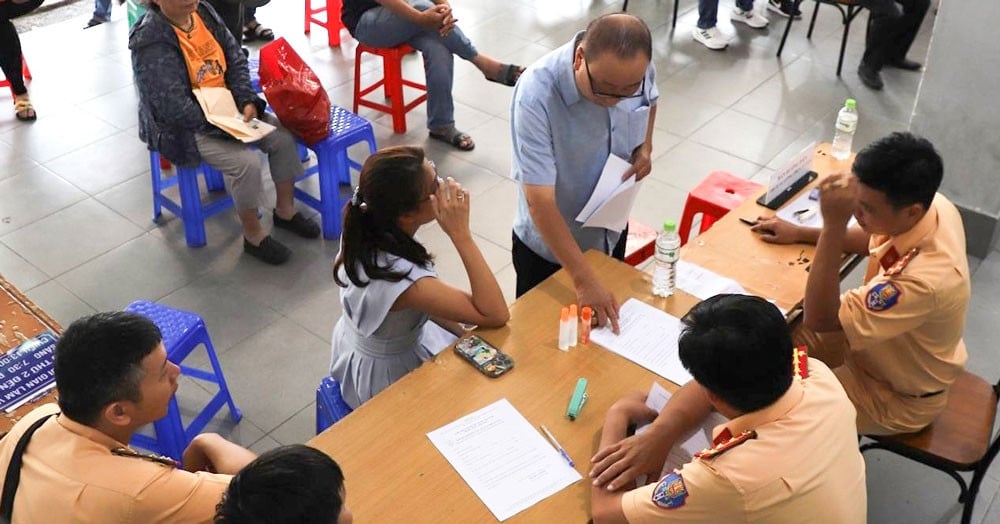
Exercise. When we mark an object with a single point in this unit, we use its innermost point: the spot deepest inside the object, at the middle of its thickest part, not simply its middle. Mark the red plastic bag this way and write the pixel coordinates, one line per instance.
(294, 92)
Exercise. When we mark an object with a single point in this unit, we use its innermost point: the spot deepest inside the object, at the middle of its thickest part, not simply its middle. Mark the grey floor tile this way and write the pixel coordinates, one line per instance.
(494, 218)
(58, 141)
(118, 108)
(34, 193)
(682, 115)
(727, 133)
(58, 302)
(103, 164)
(70, 237)
(264, 444)
(298, 429)
(319, 314)
(16, 269)
(13, 160)
(145, 268)
(278, 370)
(132, 199)
(688, 163)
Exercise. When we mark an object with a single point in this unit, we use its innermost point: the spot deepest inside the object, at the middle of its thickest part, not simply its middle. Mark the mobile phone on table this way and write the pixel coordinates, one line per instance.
(489, 360)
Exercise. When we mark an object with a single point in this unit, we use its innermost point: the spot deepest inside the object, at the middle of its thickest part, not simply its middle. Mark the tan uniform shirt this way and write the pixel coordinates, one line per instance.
(803, 463)
(68, 474)
(904, 326)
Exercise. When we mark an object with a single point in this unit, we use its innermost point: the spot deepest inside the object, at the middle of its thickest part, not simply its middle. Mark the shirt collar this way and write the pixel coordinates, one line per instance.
(88, 432)
(902, 243)
(566, 79)
(753, 420)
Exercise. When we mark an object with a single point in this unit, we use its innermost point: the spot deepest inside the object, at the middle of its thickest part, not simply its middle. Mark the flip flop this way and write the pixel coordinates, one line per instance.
(255, 31)
(508, 74)
(459, 140)
(24, 111)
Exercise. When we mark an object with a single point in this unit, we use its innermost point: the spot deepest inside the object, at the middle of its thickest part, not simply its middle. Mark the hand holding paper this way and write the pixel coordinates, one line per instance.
(612, 198)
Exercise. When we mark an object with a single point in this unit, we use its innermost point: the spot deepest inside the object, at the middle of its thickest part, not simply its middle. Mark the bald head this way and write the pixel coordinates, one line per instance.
(621, 34)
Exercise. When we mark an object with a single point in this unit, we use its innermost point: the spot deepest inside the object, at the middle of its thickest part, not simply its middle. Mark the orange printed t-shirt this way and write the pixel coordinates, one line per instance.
(206, 62)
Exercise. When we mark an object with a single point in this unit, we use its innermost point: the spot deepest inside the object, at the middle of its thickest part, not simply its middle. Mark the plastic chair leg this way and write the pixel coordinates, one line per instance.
(331, 163)
(194, 219)
(394, 92)
(234, 413)
(157, 175)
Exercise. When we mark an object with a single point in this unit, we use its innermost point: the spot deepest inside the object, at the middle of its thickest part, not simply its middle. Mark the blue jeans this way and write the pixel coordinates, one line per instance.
(102, 10)
(708, 11)
(379, 27)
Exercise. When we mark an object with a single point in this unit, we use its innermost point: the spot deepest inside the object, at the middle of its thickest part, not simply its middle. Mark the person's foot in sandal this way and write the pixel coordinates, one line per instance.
(252, 30)
(507, 74)
(269, 251)
(23, 110)
(451, 135)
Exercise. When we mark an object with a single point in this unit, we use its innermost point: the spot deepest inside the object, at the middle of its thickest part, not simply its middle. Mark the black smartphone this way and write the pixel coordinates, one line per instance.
(489, 360)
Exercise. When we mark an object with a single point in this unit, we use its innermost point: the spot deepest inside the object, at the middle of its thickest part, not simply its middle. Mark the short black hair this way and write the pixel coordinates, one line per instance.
(622, 34)
(99, 361)
(903, 166)
(290, 484)
(739, 348)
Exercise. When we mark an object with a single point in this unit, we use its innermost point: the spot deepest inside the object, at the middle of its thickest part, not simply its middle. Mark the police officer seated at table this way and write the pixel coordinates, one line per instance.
(899, 335)
(293, 484)
(113, 377)
(787, 454)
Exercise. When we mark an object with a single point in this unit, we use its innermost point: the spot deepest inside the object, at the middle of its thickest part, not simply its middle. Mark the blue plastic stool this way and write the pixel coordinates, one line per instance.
(334, 166)
(183, 332)
(330, 406)
(253, 65)
(190, 210)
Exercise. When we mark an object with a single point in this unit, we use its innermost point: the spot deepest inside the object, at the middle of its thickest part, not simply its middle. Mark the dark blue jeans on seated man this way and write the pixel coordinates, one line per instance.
(708, 11)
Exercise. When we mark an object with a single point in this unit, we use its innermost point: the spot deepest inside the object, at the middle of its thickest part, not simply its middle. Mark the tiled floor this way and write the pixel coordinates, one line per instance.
(76, 235)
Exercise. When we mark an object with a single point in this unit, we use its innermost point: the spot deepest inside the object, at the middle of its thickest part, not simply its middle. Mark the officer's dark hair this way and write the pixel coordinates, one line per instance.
(903, 166)
(291, 484)
(622, 34)
(99, 361)
(739, 348)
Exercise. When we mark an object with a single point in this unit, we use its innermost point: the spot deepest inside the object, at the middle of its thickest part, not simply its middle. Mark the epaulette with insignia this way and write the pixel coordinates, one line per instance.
(800, 362)
(897, 267)
(725, 442)
(670, 492)
(151, 457)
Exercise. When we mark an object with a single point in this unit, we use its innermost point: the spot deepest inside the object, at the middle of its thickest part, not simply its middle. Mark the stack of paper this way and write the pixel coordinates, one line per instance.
(612, 198)
(701, 438)
(648, 337)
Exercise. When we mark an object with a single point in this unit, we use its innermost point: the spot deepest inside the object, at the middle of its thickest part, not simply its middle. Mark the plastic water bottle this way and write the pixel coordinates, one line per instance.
(847, 124)
(668, 247)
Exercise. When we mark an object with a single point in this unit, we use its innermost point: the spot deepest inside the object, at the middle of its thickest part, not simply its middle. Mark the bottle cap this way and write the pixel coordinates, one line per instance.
(564, 314)
(586, 313)
(850, 103)
(670, 225)
(572, 311)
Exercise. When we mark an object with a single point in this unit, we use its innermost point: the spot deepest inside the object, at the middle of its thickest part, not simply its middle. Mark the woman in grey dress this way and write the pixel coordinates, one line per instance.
(390, 289)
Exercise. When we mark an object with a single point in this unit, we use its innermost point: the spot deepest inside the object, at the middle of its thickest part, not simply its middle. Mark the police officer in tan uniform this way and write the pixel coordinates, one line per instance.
(113, 377)
(788, 453)
(899, 335)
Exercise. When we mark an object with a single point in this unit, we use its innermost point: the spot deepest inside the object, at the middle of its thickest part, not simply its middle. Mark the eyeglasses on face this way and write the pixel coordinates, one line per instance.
(601, 94)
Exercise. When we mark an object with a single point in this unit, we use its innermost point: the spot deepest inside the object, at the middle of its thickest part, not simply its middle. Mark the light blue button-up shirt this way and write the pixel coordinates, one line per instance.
(562, 139)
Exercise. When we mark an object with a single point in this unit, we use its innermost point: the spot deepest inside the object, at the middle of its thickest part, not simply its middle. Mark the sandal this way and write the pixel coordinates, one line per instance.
(508, 74)
(254, 31)
(24, 111)
(461, 141)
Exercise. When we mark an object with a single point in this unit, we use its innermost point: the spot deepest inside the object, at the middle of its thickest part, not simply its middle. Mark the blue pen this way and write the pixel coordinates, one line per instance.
(559, 448)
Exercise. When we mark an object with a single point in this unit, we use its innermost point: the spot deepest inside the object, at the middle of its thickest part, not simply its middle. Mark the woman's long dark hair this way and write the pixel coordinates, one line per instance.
(392, 184)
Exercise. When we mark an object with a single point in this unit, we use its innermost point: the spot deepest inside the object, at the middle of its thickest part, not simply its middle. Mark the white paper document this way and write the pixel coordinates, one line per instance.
(803, 211)
(612, 199)
(220, 109)
(648, 337)
(702, 283)
(504, 459)
(697, 440)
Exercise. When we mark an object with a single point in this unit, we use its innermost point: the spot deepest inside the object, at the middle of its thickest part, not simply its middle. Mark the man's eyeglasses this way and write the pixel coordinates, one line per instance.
(600, 94)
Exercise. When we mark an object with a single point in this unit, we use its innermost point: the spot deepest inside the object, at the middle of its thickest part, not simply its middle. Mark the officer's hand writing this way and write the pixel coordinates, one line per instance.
(837, 200)
(591, 293)
(776, 230)
(641, 162)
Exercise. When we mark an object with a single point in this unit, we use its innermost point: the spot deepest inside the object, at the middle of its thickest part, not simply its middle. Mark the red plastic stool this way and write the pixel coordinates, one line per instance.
(640, 244)
(331, 21)
(24, 71)
(392, 81)
(714, 196)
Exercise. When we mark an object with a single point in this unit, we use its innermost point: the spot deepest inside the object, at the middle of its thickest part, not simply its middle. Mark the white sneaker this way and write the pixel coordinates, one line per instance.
(750, 18)
(710, 38)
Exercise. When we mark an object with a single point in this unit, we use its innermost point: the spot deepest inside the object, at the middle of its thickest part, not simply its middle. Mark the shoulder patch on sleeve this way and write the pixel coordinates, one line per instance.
(882, 296)
(670, 493)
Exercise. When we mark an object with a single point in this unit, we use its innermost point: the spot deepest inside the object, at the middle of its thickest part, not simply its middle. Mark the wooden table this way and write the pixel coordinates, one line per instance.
(776, 272)
(21, 319)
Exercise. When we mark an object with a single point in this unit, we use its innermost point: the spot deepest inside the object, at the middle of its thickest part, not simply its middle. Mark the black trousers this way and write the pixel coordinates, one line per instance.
(232, 14)
(10, 43)
(532, 269)
(894, 26)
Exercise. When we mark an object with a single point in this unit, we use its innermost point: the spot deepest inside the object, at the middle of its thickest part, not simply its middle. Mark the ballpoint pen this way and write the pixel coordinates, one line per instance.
(559, 448)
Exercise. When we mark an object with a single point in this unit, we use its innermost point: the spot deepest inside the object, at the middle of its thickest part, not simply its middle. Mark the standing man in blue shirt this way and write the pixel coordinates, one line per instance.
(592, 97)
